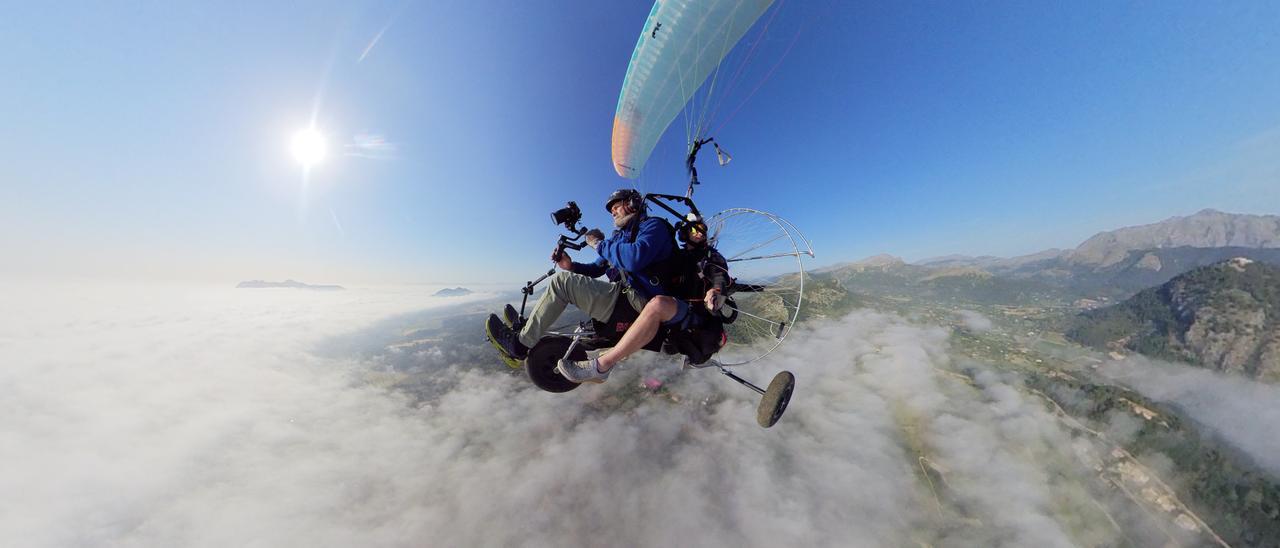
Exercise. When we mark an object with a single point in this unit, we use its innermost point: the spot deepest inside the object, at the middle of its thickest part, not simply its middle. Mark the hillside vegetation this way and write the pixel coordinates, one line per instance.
(1221, 316)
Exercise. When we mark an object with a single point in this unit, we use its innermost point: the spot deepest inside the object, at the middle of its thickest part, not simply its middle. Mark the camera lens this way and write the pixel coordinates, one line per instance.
(567, 216)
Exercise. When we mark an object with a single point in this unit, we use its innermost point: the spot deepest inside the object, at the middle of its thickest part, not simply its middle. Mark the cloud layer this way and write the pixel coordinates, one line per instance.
(214, 417)
(1241, 412)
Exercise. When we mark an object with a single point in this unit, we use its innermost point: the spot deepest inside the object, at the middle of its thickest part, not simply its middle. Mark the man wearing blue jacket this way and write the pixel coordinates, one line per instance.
(628, 257)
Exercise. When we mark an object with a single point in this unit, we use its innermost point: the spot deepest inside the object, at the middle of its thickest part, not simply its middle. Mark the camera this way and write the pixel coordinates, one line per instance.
(567, 216)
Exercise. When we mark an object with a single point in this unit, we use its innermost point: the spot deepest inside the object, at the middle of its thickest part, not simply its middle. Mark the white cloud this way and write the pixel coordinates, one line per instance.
(1245, 413)
(215, 417)
(974, 320)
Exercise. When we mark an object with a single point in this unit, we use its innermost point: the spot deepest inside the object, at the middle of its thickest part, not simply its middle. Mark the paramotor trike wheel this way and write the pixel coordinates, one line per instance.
(775, 399)
(542, 360)
(764, 253)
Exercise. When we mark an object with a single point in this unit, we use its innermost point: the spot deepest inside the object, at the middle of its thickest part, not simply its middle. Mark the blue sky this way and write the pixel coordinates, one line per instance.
(151, 139)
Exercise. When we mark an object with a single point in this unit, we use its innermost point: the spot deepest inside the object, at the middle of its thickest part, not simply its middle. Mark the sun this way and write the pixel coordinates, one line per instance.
(308, 146)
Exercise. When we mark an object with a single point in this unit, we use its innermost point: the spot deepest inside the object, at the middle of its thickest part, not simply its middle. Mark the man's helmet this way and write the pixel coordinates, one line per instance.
(631, 195)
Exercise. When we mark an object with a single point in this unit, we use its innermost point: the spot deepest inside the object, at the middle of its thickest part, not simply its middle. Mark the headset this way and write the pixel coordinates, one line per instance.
(632, 196)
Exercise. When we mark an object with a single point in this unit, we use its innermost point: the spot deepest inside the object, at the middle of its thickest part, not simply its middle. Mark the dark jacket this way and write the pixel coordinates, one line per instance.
(714, 269)
(631, 254)
(695, 269)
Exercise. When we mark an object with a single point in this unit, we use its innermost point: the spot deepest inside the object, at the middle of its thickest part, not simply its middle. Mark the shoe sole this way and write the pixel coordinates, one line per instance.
(510, 316)
(593, 380)
(502, 353)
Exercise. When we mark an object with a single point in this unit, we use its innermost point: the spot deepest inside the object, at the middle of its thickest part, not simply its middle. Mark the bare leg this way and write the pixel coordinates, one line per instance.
(657, 310)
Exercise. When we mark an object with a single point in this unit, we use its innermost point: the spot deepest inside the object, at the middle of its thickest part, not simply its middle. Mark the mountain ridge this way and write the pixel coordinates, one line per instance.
(1112, 264)
(1205, 228)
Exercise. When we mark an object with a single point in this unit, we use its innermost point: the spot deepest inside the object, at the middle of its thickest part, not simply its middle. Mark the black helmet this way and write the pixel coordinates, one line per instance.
(631, 195)
(684, 228)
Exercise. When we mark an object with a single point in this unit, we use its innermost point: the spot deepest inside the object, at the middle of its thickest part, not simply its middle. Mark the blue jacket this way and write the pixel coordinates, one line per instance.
(634, 250)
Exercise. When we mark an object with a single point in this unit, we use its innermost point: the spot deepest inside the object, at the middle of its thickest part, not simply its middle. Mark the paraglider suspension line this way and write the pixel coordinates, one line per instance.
(689, 163)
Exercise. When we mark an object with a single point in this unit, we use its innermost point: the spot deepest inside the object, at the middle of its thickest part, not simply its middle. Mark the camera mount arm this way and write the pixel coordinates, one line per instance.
(687, 201)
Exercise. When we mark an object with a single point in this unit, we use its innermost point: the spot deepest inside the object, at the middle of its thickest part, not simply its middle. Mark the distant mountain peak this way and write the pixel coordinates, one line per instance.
(1205, 228)
(453, 292)
(882, 260)
(290, 283)
(991, 263)
(958, 272)
(953, 258)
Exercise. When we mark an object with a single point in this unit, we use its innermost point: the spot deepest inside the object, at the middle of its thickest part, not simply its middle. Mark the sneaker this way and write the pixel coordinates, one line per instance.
(510, 316)
(583, 371)
(506, 340)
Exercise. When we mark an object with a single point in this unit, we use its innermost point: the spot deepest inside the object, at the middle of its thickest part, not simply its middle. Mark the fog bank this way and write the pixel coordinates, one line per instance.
(214, 417)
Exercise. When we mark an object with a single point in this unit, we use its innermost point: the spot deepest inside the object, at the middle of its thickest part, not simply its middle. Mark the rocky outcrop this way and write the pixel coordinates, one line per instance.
(1226, 339)
(1269, 358)
(1224, 316)
(1150, 261)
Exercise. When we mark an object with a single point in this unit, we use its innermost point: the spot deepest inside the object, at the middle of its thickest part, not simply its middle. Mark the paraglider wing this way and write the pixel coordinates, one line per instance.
(682, 42)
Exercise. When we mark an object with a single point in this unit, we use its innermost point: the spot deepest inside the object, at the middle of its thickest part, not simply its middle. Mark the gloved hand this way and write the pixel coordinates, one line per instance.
(594, 237)
(561, 258)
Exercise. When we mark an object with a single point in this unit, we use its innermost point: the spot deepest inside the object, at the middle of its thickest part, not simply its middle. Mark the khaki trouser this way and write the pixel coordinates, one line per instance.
(595, 297)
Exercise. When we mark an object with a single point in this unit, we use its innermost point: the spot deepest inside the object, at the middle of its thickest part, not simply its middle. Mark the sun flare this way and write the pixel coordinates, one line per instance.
(308, 146)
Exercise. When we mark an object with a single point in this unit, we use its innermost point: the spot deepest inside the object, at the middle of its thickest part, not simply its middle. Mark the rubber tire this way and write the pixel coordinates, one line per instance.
(774, 402)
(542, 360)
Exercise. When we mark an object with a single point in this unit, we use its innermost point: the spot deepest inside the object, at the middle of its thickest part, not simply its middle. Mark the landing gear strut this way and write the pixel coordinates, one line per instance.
(774, 399)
